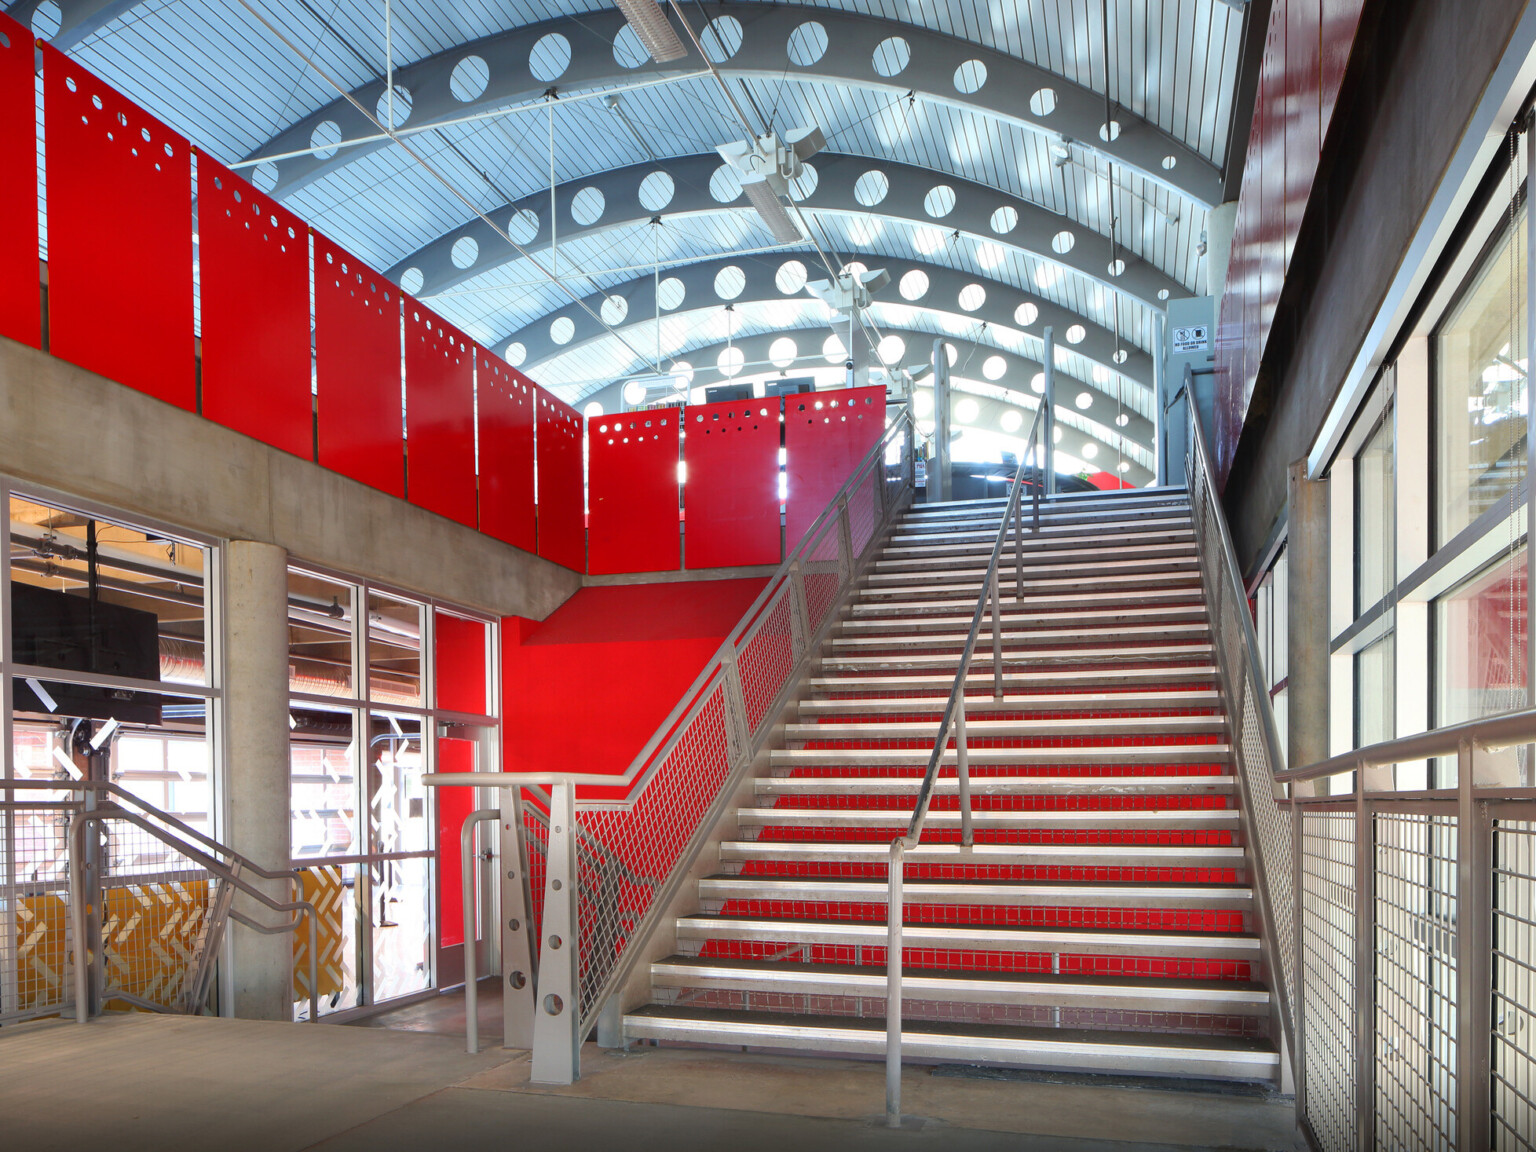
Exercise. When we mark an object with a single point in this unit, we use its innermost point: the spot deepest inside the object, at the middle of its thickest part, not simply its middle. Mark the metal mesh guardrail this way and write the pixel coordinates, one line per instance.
(36, 936)
(628, 854)
(1255, 746)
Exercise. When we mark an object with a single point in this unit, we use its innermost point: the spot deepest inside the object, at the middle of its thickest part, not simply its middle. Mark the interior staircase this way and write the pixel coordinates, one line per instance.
(1103, 921)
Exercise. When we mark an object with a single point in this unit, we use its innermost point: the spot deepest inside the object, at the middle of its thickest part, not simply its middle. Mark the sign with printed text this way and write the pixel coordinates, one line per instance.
(1195, 339)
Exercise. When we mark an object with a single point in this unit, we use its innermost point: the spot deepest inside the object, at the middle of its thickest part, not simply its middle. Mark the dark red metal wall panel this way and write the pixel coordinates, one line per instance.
(439, 416)
(632, 492)
(826, 434)
(562, 499)
(1340, 21)
(506, 451)
(119, 237)
(21, 315)
(254, 260)
(359, 426)
(731, 488)
(1303, 82)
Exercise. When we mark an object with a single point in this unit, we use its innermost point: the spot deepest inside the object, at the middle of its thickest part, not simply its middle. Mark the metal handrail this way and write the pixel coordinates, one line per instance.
(953, 717)
(468, 871)
(643, 768)
(1198, 465)
(213, 866)
(1499, 731)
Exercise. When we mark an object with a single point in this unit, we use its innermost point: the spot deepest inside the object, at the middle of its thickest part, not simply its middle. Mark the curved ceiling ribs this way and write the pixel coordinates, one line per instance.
(944, 290)
(858, 51)
(1078, 428)
(844, 184)
(77, 19)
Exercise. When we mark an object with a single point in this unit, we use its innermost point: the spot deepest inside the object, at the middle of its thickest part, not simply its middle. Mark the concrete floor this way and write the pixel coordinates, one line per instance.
(167, 1083)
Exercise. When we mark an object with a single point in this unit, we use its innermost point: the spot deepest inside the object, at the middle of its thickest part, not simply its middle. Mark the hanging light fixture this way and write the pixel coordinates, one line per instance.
(655, 33)
(767, 166)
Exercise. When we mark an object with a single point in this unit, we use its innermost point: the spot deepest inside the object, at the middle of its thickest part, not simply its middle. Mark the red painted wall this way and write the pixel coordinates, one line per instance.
(585, 689)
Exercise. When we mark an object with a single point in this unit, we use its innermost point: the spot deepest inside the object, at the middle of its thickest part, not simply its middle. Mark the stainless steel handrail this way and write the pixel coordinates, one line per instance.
(1500, 731)
(650, 758)
(215, 867)
(953, 717)
(468, 870)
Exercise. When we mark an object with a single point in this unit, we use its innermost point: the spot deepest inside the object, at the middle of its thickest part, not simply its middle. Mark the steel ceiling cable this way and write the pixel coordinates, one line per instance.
(447, 184)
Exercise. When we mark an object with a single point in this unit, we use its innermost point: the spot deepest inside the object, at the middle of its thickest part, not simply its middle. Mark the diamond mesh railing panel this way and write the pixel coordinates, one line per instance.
(1513, 1068)
(767, 656)
(156, 914)
(1415, 986)
(864, 512)
(36, 937)
(822, 575)
(1257, 757)
(1328, 929)
(628, 854)
(536, 845)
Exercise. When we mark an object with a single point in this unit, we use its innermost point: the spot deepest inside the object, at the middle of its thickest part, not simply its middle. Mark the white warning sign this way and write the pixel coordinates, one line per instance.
(1193, 339)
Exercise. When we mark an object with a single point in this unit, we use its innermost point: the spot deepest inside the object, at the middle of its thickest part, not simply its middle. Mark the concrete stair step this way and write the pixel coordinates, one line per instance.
(823, 852)
(1008, 989)
(1218, 753)
(979, 705)
(702, 928)
(993, 819)
(989, 893)
(1094, 786)
(1170, 1054)
(984, 729)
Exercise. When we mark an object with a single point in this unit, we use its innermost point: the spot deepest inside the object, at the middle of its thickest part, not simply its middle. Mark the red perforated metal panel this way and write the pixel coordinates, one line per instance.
(562, 500)
(20, 293)
(359, 426)
(254, 260)
(731, 489)
(632, 492)
(506, 451)
(439, 415)
(119, 237)
(826, 434)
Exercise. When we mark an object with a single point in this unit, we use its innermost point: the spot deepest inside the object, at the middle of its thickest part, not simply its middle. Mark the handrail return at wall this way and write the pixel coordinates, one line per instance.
(599, 906)
(953, 719)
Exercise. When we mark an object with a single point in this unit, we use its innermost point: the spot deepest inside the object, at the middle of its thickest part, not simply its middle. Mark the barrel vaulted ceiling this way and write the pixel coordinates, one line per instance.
(966, 140)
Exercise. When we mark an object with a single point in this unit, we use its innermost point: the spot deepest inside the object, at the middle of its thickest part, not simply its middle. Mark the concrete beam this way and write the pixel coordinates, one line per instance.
(686, 186)
(1012, 90)
(86, 436)
(760, 283)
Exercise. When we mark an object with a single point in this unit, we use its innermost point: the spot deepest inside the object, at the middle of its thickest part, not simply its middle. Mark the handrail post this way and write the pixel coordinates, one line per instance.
(997, 639)
(1474, 967)
(799, 613)
(556, 1029)
(845, 556)
(78, 898)
(893, 917)
(469, 870)
(1018, 546)
(963, 770)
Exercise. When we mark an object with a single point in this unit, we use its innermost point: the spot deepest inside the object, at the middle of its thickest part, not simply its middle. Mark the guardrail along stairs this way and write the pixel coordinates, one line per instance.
(1102, 921)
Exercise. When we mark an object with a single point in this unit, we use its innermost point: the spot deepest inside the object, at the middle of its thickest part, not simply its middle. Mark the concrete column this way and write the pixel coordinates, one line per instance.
(1306, 550)
(256, 764)
(939, 472)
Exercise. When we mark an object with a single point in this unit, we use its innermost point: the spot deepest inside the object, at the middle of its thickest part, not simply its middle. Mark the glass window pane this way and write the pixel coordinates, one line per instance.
(319, 636)
(1480, 645)
(394, 650)
(1375, 517)
(323, 791)
(1480, 400)
(1375, 698)
(398, 816)
(93, 595)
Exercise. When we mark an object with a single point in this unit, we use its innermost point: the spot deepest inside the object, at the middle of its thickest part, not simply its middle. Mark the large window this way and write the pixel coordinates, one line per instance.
(1272, 615)
(1375, 516)
(1481, 633)
(1375, 697)
(368, 705)
(1480, 395)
